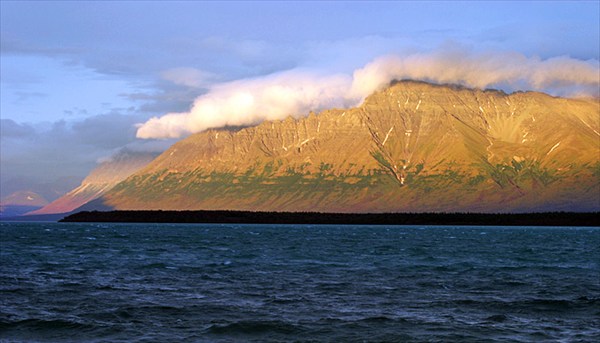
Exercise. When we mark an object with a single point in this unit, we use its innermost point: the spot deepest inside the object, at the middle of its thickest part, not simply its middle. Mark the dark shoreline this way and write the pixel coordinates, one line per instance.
(248, 217)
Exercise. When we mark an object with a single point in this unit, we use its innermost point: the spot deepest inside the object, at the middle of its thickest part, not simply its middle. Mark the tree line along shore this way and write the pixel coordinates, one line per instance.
(250, 217)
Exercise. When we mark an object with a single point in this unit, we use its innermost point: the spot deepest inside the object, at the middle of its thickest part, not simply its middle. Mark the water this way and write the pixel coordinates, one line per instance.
(229, 283)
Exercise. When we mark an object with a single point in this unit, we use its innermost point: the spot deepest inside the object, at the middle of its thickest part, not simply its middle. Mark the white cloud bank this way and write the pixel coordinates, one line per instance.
(297, 92)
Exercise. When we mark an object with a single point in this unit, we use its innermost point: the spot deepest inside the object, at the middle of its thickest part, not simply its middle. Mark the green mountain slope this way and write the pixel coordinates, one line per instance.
(411, 147)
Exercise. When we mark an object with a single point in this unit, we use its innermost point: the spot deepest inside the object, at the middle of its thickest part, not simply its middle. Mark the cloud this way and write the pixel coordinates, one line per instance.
(11, 129)
(24, 97)
(251, 101)
(19, 47)
(39, 154)
(104, 131)
(150, 145)
(126, 153)
(296, 92)
(190, 77)
(507, 70)
(163, 97)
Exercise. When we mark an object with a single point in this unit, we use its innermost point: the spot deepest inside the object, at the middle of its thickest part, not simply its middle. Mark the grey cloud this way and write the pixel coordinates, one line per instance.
(42, 153)
(23, 96)
(19, 78)
(18, 47)
(190, 77)
(76, 111)
(154, 146)
(11, 129)
(163, 97)
(105, 131)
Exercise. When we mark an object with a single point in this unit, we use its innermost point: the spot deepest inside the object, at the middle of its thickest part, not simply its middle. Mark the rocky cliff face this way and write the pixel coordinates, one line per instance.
(99, 181)
(411, 147)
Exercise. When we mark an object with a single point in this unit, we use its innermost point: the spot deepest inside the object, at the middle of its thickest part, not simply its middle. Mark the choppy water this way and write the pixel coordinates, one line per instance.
(124, 282)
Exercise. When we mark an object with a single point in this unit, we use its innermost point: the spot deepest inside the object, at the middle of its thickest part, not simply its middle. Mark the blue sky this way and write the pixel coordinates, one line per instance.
(76, 77)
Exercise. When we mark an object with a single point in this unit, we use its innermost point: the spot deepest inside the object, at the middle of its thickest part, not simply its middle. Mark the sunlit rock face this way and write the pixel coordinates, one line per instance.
(413, 147)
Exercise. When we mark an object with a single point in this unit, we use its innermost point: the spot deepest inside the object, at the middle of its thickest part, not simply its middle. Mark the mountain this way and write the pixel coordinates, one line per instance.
(412, 147)
(48, 189)
(99, 181)
(21, 202)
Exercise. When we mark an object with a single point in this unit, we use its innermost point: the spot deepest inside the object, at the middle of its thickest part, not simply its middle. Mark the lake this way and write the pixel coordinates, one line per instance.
(229, 283)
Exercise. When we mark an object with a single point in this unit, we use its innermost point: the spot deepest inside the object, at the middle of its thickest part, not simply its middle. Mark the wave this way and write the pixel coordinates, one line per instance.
(534, 305)
(44, 325)
(497, 318)
(255, 327)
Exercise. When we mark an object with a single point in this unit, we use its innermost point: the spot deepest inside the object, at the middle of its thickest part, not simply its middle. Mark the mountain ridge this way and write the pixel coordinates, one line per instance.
(413, 146)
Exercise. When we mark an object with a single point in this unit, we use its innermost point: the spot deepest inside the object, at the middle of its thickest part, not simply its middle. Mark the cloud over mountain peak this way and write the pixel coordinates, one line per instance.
(297, 92)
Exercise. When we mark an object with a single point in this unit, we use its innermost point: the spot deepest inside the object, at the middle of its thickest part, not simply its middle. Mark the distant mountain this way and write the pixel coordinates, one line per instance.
(21, 202)
(48, 189)
(412, 147)
(98, 182)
